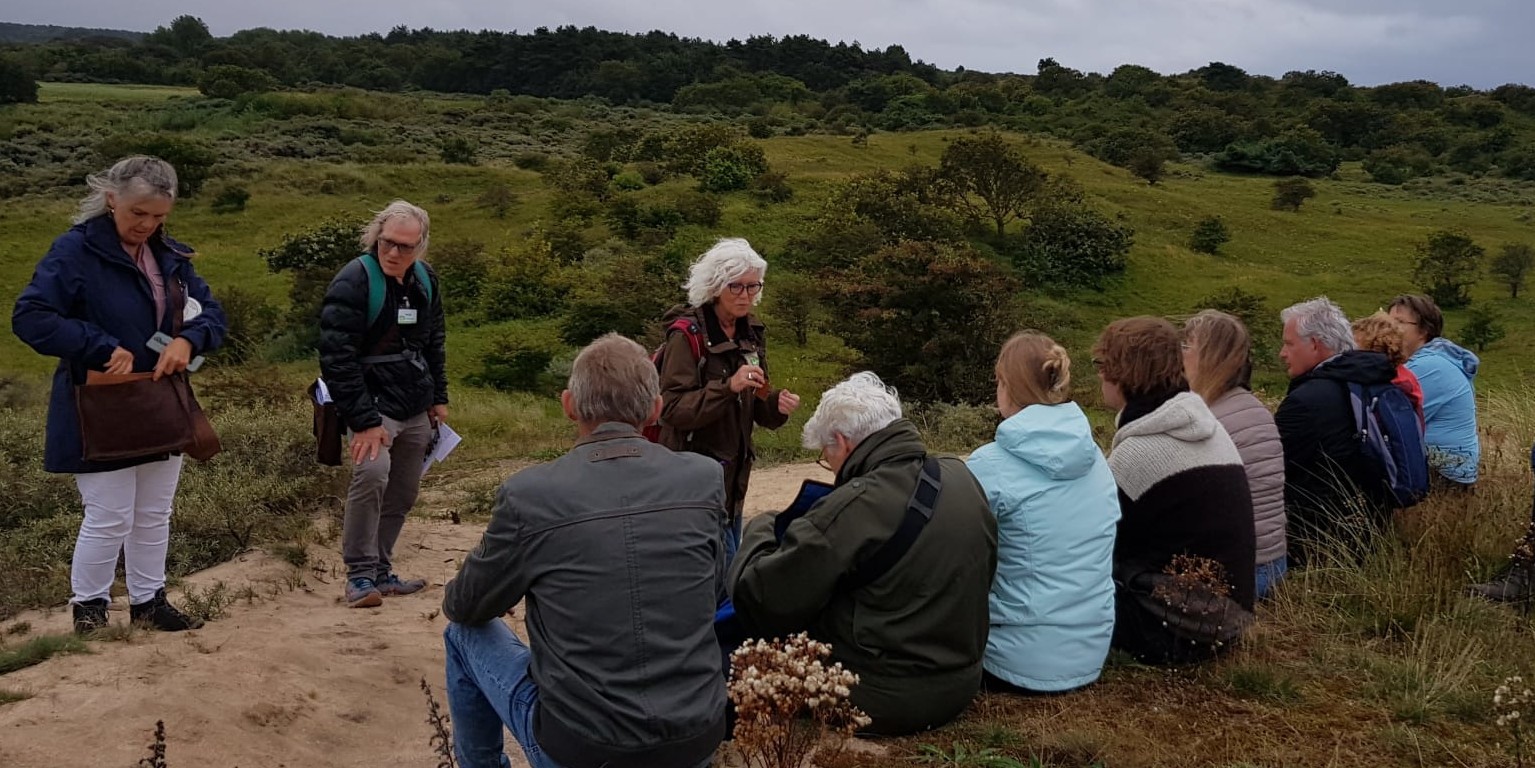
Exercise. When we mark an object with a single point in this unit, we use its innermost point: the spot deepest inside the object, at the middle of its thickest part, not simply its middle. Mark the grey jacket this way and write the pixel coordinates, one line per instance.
(618, 548)
(1251, 427)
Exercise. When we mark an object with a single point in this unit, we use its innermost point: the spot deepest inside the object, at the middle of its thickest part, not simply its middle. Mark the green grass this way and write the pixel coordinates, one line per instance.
(38, 650)
(49, 93)
(11, 696)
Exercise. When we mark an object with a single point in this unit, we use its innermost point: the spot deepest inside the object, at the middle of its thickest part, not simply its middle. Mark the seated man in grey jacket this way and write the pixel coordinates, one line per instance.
(618, 548)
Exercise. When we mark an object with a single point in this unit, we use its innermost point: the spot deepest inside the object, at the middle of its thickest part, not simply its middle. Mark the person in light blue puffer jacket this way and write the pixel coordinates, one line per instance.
(1057, 508)
(1445, 372)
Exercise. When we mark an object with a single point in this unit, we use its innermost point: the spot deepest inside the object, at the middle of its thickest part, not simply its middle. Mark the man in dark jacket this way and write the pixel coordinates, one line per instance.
(618, 548)
(1329, 480)
(915, 635)
(383, 361)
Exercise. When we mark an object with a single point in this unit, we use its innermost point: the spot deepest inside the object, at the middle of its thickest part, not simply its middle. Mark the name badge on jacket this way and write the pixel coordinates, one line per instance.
(406, 317)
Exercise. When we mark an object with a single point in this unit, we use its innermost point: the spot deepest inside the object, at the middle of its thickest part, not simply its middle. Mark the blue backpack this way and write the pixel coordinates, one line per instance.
(1391, 436)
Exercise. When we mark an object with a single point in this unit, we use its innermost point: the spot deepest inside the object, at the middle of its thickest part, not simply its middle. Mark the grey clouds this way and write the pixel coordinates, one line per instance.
(1477, 42)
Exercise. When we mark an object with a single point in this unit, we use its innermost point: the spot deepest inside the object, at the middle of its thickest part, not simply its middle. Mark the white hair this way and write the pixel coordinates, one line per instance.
(1321, 321)
(727, 261)
(612, 379)
(855, 409)
(398, 209)
(137, 176)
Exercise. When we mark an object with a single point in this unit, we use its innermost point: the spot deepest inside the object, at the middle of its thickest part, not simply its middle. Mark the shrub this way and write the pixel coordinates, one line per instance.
(230, 199)
(462, 267)
(698, 209)
(531, 161)
(227, 81)
(651, 173)
(250, 322)
(772, 187)
(1483, 326)
(1070, 244)
(498, 198)
(313, 257)
(685, 150)
(517, 359)
(629, 181)
(526, 284)
(1448, 263)
(1209, 235)
(1511, 266)
(796, 301)
(1263, 326)
(732, 167)
(1290, 193)
(1299, 152)
(458, 150)
(18, 85)
(928, 318)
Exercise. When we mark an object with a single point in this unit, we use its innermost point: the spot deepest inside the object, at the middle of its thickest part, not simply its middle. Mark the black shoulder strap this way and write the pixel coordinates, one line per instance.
(919, 510)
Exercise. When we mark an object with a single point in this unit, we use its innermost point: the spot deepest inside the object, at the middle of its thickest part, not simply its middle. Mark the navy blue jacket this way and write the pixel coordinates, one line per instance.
(87, 298)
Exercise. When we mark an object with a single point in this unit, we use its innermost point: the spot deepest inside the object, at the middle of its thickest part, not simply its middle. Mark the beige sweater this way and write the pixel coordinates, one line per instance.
(1251, 427)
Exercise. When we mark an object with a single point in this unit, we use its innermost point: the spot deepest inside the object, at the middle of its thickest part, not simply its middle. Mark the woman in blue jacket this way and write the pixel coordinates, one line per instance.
(95, 300)
(1057, 507)
(1445, 372)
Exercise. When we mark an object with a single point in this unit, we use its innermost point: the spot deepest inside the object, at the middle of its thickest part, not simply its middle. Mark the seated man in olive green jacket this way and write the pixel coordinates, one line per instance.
(916, 633)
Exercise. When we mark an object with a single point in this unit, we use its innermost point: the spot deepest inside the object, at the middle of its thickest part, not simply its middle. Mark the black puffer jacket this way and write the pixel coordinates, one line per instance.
(400, 389)
(1322, 452)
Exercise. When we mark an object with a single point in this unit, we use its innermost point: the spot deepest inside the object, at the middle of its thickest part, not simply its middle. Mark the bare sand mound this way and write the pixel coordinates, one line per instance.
(292, 679)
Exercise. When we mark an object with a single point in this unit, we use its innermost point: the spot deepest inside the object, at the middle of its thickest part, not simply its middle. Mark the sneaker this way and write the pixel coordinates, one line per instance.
(158, 613)
(1515, 586)
(361, 593)
(90, 615)
(392, 585)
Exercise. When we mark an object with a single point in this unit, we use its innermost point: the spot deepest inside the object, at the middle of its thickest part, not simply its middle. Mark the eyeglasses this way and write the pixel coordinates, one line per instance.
(824, 464)
(750, 289)
(405, 249)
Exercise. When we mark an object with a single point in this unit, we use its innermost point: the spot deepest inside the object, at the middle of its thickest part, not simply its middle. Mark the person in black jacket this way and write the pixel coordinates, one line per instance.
(387, 376)
(1329, 480)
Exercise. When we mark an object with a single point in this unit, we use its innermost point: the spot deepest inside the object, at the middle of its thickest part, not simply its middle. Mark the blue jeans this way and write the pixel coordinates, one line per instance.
(1269, 575)
(489, 684)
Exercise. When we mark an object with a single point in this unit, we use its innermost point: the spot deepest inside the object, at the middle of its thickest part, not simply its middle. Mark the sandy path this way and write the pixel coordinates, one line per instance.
(293, 679)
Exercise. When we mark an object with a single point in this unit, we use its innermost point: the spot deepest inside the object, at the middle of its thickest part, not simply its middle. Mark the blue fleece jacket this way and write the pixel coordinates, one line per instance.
(1445, 372)
(1057, 507)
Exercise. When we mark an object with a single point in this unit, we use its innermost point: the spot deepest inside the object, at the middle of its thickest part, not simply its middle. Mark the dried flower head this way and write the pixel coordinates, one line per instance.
(789, 703)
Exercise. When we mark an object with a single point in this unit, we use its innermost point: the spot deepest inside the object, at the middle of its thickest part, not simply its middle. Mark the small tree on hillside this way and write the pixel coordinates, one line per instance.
(17, 85)
(796, 302)
(498, 198)
(313, 257)
(990, 178)
(1263, 327)
(1290, 193)
(1483, 326)
(1512, 265)
(1448, 263)
(1209, 235)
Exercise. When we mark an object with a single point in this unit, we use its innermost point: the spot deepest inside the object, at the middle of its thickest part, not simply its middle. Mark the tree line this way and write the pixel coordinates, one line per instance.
(1304, 123)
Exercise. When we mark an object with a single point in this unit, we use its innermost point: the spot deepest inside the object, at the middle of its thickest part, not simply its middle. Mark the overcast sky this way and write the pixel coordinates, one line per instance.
(1478, 42)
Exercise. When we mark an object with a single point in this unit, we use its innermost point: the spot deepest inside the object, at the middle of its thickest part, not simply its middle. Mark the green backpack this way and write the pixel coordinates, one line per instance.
(377, 290)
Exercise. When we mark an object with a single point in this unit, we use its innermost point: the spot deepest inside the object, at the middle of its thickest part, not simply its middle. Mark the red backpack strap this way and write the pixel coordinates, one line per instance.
(689, 328)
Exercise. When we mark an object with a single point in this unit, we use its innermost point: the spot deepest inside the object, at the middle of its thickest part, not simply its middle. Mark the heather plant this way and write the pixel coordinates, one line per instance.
(1196, 591)
(442, 737)
(789, 704)
(1509, 701)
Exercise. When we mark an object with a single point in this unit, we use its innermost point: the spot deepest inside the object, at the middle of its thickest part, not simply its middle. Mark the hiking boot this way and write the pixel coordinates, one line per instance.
(158, 613)
(392, 585)
(90, 615)
(1514, 586)
(362, 593)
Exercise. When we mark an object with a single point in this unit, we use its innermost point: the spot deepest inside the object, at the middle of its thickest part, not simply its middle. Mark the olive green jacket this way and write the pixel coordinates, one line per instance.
(916, 635)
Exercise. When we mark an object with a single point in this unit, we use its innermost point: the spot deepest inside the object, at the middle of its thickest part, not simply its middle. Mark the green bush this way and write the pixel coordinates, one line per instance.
(732, 167)
(192, 160)
(1209, 235)
(1069, 244)
(459, 150)
(462, 267)
(1299, 152)
(517, 360)
(227, 81)
(526, 284)
(230, 199)
(629, 181)
(697, 208)
(313, 257)
(772, 187)
(250, 322)
(1289, 194)
(18, 85)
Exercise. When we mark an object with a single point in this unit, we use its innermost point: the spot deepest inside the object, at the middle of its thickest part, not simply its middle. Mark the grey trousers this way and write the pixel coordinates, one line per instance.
(383, 491)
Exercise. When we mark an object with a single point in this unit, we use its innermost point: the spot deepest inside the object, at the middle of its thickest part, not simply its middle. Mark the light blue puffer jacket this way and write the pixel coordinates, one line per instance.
(1445, 371)
(1057, 507)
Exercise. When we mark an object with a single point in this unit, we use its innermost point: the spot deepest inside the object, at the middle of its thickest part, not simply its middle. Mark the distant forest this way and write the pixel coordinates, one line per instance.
(1303, 123)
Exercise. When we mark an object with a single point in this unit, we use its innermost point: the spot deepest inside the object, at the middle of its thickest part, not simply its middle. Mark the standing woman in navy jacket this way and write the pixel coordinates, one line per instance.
(94, 302)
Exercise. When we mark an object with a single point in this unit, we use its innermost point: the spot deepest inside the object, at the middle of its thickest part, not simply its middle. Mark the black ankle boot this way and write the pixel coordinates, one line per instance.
(160, 614)
(90, 615)
(1513, 587)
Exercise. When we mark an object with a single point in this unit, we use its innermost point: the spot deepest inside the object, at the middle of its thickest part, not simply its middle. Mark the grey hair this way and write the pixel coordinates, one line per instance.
(612, 379)
(728, 260)
(1323, 322)
(399, 209)
(855, 409)
(138, 175)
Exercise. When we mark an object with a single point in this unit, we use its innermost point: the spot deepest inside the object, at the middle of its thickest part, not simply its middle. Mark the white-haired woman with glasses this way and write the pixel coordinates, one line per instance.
(105, 289)
(712, 399)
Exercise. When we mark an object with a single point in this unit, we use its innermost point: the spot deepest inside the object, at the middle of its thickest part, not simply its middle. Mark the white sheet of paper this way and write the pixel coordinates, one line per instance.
(321, 392)
(447, 440)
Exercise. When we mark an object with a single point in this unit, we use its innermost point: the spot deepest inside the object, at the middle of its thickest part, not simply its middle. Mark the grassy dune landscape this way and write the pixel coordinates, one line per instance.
(1380, 663)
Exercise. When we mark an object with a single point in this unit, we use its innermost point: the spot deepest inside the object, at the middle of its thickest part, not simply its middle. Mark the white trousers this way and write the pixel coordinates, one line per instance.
(127, 511)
